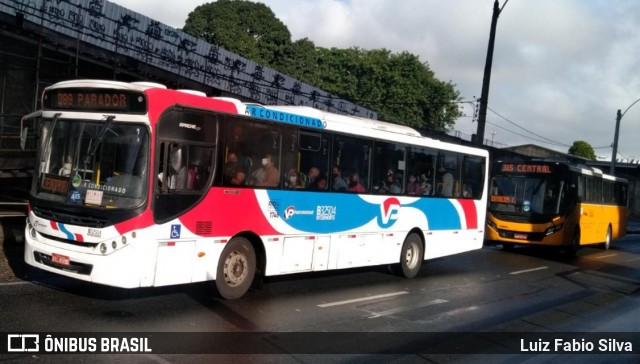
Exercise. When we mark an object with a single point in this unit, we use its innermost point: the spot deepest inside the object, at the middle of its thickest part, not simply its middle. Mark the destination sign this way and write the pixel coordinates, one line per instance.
(503, 199)
(525, 168)
(55, 184)
(95, 100)
(284, 117)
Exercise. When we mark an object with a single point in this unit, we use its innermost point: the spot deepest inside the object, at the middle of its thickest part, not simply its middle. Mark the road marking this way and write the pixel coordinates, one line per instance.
(529, 270)
(361, 299)
(606, 256)
(406, 308)
(13, 283)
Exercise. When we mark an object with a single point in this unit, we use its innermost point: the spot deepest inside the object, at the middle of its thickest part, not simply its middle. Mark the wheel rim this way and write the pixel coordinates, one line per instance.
(235, 269)
(607, 242)
(411, 257)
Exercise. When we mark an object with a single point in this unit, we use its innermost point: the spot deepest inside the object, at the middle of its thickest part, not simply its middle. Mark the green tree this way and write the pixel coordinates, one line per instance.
(582, 149)
(242, 27)
(399, 87)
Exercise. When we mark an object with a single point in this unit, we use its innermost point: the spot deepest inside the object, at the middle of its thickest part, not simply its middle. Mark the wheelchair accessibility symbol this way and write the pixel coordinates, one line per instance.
(175, 231)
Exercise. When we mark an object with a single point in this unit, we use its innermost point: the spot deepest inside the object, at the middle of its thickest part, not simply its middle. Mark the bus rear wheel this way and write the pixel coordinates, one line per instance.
(411, 256)
(607, 240)
(236, 269)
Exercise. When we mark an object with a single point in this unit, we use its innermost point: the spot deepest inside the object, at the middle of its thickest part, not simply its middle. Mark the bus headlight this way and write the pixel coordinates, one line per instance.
(103, 248)
(492, 225)
(32, 231)
(552, 230)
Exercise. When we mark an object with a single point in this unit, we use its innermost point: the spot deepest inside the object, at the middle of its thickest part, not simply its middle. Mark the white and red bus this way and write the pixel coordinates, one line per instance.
(137, 185)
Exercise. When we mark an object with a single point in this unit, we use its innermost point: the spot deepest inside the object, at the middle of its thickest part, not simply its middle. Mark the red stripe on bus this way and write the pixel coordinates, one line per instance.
(470, 213)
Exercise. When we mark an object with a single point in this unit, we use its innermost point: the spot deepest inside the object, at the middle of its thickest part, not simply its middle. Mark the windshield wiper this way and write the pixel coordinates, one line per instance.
(98, 139)
(50, 137)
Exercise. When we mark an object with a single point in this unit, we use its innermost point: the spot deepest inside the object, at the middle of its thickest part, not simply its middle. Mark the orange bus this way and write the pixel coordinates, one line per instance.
(555, 204)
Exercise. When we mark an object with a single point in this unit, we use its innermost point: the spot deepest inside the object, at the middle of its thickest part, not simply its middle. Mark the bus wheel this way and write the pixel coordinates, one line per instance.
(572, 249)
(607, 241)
(508, 246)
(411, 256)
(236, 269)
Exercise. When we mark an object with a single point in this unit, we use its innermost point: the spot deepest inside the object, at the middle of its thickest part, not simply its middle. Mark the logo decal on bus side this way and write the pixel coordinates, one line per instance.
(289, 211)
(389, 212)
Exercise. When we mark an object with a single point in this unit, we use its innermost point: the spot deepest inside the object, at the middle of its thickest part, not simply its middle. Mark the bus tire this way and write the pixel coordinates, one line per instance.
(607, 240)
(411, 255)
(236, 268)
(572, 249)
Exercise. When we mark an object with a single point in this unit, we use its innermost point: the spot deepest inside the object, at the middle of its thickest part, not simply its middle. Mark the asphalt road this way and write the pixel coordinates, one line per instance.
(526, 291)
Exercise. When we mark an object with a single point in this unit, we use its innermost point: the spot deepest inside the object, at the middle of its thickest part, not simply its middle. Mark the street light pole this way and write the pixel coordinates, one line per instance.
(614, 155)
(484, 97)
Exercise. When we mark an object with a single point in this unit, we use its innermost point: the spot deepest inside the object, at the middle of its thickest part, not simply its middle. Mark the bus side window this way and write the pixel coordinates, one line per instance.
(448, 174)
(199, 166)
(472, 177)
(266, 141)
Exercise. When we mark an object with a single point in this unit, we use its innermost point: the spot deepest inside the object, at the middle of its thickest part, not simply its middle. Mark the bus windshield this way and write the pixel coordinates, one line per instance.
(526, 195)
(94, 164)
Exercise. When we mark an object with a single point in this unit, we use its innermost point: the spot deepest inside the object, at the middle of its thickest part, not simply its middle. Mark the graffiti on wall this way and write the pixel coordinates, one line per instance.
(117, 29)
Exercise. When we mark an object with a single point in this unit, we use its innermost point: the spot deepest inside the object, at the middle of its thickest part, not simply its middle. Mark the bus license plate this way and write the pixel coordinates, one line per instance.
(520, 236)
(60, 259)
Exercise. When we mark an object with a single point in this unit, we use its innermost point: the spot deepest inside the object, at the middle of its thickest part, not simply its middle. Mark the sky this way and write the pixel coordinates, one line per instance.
(561, 68)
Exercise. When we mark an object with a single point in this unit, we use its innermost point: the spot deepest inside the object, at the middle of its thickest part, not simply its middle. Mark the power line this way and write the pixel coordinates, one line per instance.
(549, 141)
(525, 136)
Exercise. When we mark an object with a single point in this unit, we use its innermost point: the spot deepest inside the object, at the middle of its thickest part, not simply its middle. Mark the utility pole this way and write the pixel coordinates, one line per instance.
(614, 155)
(484, 97)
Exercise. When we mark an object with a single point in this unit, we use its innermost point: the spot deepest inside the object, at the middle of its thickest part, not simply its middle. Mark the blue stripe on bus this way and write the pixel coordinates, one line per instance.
(331, 213)
(65, 231)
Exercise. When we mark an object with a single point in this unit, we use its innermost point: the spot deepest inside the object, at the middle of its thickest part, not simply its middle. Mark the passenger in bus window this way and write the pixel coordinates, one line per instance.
(238, 142)
(380, 187)
(447, 182)
(339, 184)
(396, 187)
(321, 183)
(355, 185)
(293, 180)
(268, 175)
(312, 180)
(467, 192)
(424, 182)
(179, 176)
(413, 186)
(392, 184)
(426, 188)
(234, 173)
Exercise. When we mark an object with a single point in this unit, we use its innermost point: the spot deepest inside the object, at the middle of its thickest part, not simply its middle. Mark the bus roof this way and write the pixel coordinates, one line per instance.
(327, 121)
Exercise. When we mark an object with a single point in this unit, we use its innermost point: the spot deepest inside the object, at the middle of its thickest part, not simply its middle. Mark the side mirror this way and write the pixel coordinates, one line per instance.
(24, 128)
(23, 138)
